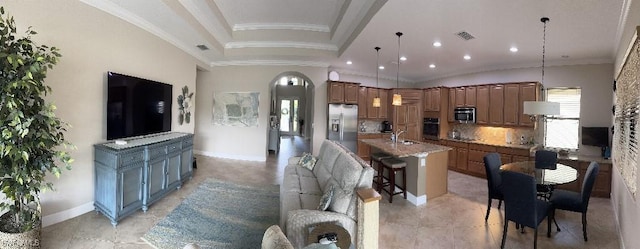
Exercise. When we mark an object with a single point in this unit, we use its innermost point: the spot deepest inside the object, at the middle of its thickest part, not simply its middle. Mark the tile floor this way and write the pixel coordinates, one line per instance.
(455, 220)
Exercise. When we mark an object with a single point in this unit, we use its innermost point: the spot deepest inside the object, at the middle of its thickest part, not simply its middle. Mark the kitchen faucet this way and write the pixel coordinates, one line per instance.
(398, 133)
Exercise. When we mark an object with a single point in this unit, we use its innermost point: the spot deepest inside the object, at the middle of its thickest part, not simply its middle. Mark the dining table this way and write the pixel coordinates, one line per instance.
(563, 174)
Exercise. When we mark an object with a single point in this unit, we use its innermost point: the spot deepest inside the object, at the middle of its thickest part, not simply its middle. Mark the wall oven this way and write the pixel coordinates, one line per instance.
(465, 114)
(431, 128)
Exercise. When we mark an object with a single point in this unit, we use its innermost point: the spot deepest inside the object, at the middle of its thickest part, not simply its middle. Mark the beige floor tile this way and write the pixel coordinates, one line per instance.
(455, 220)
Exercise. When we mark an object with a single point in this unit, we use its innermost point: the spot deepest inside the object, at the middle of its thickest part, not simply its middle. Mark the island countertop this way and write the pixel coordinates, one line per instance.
(417, 149)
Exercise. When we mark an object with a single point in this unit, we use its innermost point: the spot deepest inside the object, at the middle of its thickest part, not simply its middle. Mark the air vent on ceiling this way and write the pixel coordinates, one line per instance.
(465, 35)
(202, 47)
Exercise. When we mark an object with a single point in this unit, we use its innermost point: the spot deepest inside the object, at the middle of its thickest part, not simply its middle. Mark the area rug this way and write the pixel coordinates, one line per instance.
(219, 214)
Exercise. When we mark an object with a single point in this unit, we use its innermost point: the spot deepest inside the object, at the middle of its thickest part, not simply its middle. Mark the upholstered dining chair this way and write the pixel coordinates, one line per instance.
(492, 165)
(577, 202)
(521, 204)
(546, 159)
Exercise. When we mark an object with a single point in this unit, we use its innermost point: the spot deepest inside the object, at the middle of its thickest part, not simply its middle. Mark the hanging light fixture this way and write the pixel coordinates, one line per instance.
(397, 99)
(376, 100)
(541, 108)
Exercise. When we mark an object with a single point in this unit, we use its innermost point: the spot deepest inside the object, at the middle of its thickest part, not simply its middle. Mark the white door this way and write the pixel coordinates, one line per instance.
(289, 124)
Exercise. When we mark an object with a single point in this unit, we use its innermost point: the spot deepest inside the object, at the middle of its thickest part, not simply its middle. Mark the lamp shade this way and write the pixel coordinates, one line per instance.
(376, 102)
(397, 100)
(541, 108)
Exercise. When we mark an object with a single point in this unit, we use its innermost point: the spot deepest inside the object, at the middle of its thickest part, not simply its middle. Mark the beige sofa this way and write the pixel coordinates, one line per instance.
(302, 189)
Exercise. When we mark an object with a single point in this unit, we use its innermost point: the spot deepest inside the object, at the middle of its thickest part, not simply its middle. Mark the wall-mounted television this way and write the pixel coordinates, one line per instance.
(137, 106)
(595, 136)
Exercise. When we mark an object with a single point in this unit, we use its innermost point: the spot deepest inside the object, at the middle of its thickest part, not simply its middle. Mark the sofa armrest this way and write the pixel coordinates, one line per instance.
(274, 238)
(299, 222)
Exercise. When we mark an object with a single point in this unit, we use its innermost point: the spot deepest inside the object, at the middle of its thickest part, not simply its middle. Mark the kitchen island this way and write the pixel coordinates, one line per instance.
(426, 166)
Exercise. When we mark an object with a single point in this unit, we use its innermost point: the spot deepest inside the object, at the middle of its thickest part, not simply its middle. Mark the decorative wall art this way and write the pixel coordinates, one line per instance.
(184, 105)
(236, 108)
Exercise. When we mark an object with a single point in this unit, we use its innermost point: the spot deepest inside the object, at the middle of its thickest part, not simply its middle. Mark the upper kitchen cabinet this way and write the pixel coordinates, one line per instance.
(496, 104)
(482, 105)
(528, 92)
(451, 104)
(432, 99)
(363, 103)
(511, 103)
(383, 111)
(466, 96)
(342, 92)
(460, 97)
(372, 112)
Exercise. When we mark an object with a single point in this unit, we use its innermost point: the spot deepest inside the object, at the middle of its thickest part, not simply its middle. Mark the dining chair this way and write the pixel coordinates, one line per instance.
(521, 204)
(577, 202)
(492, 165)
(546, 159)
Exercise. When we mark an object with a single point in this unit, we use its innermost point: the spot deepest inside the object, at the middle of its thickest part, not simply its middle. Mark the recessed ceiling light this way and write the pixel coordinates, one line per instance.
(432, 66)
(467, 57)
(513, 49)
(381, 67)
(437, 44)
(403, 58)
(349, 62)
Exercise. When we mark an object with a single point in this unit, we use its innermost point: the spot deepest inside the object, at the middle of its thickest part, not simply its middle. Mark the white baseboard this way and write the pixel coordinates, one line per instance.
(67, 214)
(229, 156)
(416, 200)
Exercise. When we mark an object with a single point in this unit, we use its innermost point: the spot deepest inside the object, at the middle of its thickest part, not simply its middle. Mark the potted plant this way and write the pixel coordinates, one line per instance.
(32, 142)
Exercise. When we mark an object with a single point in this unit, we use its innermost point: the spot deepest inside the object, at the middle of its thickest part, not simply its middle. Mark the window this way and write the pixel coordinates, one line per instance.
(562, 130)
(292, 81)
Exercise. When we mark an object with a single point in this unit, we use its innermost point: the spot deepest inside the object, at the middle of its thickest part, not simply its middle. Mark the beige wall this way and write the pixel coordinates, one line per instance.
(93, 42)
(625, 206)
(250, 143)
(594, 80)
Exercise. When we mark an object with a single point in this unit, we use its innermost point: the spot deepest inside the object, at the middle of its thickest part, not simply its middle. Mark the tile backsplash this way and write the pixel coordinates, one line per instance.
(369, 126)
(497, 135)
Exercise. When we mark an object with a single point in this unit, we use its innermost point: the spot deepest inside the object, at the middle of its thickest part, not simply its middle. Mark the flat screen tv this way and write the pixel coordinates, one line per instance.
(136, 106)
(595, 136)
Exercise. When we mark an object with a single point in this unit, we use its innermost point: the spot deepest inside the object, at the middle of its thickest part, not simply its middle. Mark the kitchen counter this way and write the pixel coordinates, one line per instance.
(417, 149)
(471, 141)
(427, 173)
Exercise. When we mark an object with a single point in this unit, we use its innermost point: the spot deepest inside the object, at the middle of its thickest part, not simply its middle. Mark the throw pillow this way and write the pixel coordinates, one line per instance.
(325, 200)
(307, 161)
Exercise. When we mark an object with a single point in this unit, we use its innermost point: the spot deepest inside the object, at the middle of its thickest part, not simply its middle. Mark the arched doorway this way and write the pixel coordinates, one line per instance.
(291, 113)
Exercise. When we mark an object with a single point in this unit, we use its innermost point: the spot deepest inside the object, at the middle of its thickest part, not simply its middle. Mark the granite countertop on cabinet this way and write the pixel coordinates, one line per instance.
(471, 141)
(417, 149)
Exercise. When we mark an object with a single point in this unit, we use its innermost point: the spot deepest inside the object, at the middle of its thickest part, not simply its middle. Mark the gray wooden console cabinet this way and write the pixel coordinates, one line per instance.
(135, 175)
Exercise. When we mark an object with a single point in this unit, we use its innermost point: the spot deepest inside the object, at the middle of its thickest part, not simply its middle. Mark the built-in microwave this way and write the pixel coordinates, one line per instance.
(465, 114)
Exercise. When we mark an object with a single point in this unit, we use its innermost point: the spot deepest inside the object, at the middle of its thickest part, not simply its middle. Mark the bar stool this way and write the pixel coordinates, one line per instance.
(393, 165)
(376, 160)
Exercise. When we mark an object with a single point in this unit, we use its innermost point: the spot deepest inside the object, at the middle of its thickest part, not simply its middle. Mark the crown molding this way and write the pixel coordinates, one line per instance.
(281, 44)
(284, 26)
(269, 63)
(117, 11)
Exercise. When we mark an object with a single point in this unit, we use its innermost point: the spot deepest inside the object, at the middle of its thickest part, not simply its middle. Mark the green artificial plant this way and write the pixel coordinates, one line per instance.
(32, 142)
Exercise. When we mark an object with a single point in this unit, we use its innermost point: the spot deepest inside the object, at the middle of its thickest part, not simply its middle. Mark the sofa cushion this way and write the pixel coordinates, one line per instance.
(329, 152)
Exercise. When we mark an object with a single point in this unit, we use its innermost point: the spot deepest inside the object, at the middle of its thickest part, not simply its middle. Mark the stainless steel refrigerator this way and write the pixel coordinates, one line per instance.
(343, 125)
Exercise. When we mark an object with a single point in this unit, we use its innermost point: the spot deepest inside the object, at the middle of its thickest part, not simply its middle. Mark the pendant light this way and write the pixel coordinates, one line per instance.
(541, 108)
(397, 99)
(376, 100)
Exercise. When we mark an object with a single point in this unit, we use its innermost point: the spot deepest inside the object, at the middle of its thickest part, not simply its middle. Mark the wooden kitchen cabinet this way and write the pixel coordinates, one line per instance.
(451, 105)
(528, 92)
(383, 111)
(432, 99)
(511, 103)
(496, 104)
(602, 186)
(470, 96)
(364, 103)
(408, 118)
(461, 159)
(342, 92)
(372, 112)
(482, 105)
(364, 150)
(460, 96)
